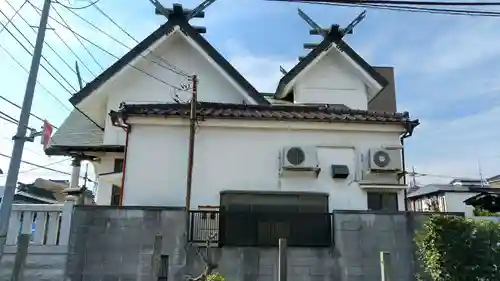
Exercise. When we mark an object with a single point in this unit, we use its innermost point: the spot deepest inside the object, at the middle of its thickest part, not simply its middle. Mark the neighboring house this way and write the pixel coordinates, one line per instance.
(40, 192)
(447, 197)
(328, 138)
(494, 181)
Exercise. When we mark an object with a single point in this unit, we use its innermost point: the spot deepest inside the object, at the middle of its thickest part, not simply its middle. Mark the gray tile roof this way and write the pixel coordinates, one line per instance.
(77, 134)
(494, 178)
(441, 188)
(311, 113)
(77, 130)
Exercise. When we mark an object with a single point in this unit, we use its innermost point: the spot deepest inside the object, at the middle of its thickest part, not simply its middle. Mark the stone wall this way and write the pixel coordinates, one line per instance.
(109, 243)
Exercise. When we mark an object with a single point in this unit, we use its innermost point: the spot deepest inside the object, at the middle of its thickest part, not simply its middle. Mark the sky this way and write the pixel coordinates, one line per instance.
(447, 69)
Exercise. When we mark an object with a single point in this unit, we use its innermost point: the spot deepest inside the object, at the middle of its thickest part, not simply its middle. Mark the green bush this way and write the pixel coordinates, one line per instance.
(216, 277)
(457, 249)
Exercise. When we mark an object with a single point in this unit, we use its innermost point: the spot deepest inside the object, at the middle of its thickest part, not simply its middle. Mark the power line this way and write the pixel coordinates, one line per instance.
(12, 119)
(46, 43)
(28, 149)
(8, 118)
(9, 21)
(115, 56)
(402, 2)
(403, 8)
(27, 71)
(74, 53)
(18, 106)
(72, 32)
(29, 52)
(36, 168)
(459, 12)
(167, 65)
(77, 8)
(39, 166)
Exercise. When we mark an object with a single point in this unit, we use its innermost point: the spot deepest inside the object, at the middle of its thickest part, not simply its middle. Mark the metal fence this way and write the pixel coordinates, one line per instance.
(203, 225)
(262, 229)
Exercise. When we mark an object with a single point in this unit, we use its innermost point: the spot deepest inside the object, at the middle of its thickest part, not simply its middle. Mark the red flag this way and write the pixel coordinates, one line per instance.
(46, 133)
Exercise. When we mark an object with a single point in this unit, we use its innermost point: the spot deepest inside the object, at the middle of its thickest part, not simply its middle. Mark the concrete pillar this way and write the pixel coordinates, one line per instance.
(76, 163)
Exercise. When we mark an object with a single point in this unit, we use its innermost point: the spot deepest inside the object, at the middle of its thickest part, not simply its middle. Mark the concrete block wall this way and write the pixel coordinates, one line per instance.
(110, 243)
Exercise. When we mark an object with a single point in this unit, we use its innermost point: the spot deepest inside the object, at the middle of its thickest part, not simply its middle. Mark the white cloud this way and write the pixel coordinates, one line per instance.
(464, 44)
(263, 72)
(454, 148)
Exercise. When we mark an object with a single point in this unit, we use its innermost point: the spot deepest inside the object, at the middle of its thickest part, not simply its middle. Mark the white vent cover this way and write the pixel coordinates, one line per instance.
(299, 158)
(385, 159)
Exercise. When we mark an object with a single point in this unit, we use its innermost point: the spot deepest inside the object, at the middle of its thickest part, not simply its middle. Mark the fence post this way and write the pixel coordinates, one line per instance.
(67, 213)
(385, 267)
(156, 257)
(282, 262)
(23, 242)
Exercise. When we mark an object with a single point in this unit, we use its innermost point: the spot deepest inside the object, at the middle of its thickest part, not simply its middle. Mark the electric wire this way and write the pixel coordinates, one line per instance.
(27, 149)
(167, 65)
(45, 42)
(77, 8)
(12, 120)
(16, 12)
(405, 2)
(40, 166)
(115, 56)
(71, 30)
(137, 41)
(37, 168)
(38, 82)
(74, 53)
(29, 52)
(455, 12)
(8, 118)
(19, 107)
(402, 8)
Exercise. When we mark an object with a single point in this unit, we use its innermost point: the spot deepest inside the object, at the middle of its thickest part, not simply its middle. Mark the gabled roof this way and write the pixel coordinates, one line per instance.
(435, 189)
(305, 113)
(494, 179)
(333, 38)
(164, 30)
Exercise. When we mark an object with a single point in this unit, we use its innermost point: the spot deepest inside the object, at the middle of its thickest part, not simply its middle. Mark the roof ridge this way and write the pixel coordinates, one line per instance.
(271, 107)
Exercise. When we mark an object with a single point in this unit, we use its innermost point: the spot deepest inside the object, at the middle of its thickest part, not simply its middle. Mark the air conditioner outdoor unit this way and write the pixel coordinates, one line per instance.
(297, 158)
(385, 160)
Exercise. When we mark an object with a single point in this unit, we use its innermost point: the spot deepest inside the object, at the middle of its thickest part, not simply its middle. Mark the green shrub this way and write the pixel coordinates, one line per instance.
(457, 249)
(216, 277)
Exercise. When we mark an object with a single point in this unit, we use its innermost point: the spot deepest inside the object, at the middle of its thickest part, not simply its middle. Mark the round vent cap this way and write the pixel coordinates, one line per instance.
(381, 158)
(295, 156)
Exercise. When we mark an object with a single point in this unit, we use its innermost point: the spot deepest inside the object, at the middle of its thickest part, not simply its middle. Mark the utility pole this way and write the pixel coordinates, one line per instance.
(413, 174)
(78, 75)
(20, 137)
(192, 134)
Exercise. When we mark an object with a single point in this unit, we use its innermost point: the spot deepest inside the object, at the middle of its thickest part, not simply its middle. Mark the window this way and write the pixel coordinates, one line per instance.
(116, 190)
(382, 201)
(118, 167)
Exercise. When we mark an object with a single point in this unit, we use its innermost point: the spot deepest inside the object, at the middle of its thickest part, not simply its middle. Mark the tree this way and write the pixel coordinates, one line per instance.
(459, 249)
(210, 265)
